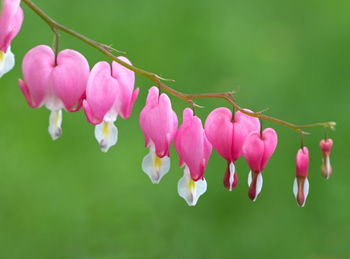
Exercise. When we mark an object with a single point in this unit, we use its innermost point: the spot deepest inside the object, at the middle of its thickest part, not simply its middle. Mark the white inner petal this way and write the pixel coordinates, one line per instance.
(112, 114)
(189, 189)
(7, 61)
(306, 189)
(259, 183)
(106, 134)
(154, 166)
(232, 173)
(328, 165)
(250, 177)
(51, 101)
(55, 122)
(295, 187)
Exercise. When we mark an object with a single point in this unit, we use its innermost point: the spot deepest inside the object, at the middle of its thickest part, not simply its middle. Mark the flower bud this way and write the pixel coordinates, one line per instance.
(301, 183)
(326, 169)
(257, 150)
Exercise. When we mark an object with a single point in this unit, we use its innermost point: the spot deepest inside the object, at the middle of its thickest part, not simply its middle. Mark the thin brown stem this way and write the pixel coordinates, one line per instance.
(302, 141)
(56, 43)
(228, 96)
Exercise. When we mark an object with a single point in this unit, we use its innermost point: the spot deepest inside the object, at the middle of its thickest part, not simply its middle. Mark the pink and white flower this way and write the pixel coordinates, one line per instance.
(257, 150)
(301, 183)
(227, 135)
(194, 151)
(158, 122)
(11, 18)
(57, 86)
(326, 145)
(109, 94)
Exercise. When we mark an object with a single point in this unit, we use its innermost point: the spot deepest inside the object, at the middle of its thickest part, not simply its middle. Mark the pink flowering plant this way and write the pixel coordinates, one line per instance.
(62, 80)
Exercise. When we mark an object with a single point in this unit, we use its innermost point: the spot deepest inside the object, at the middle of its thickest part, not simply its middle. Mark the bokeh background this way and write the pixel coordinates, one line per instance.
(67, 199)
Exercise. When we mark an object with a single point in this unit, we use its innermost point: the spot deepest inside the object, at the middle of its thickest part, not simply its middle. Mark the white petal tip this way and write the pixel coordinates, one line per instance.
(55, 121)
(7, 61)
(55, 133)
(104, 146)
(154, 166)
(301, 190)
(106, 134)
(189, 190)
(255, 183)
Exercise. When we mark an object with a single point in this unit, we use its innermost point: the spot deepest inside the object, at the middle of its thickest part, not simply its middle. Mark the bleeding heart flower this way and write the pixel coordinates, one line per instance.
(11, 18)
(109, 94)
(159, 124)
(301, 183)
(257, 150)
(194, 151)
(326, 145)
(227, 136)
(55, 86)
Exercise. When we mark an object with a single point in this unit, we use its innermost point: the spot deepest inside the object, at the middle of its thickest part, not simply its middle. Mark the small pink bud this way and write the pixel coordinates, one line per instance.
(227, 136)
(301, 183)
(326, 169)
(158, 122)
(194, 150)
(257, 150)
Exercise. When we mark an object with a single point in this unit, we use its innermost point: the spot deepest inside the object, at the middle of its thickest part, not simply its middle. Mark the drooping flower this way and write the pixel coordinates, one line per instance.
(159, 124)
(11, 18)
(257, 150)
(194, 151)
(301, 183)
(56, 86)
(227, 135)
(109, 94)
(326, 169)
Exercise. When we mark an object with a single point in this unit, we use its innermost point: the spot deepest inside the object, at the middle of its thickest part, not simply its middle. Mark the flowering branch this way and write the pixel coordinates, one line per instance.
(63, 80)
(228, 96)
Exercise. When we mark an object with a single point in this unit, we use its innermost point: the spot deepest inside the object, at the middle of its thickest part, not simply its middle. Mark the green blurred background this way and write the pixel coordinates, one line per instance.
(67, 199)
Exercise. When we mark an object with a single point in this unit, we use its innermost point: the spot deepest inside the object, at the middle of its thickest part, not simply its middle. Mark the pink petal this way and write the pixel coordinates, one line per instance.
(270, 144)
(326, 145)
(90, 117)
(227, 136)
(132, 102)
(219, 130)
(242, 126)
(302, 162)
(253, 151)
(126, 80)
(11, 19)
(37, 66)
(192, 145)
(70, 77)
(157, 122)
(101, 92)
(25, 91)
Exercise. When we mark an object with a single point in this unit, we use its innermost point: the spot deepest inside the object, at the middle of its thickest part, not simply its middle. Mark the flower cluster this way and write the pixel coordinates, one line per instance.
(63, 80)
